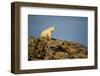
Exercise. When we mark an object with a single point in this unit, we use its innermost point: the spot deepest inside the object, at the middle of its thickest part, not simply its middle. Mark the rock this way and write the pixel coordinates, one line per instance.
(45, 48)
(59, 55)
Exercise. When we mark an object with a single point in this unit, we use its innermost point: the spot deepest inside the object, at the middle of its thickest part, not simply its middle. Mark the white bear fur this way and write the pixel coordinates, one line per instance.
(47, 32)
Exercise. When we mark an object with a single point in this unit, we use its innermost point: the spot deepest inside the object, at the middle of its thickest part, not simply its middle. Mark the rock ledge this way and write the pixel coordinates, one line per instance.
(51, 49)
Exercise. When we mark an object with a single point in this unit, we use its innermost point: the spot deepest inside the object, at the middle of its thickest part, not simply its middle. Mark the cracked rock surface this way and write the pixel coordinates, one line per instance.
(52, 49)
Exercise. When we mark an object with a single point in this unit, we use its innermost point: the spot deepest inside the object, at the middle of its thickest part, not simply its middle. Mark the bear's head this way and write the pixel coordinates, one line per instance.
(52, 28)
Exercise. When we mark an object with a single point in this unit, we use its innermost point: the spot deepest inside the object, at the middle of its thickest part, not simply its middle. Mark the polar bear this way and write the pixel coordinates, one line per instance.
(47, 32)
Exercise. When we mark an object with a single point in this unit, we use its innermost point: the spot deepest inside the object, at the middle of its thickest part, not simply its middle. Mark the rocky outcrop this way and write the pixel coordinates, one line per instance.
(44, 48)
